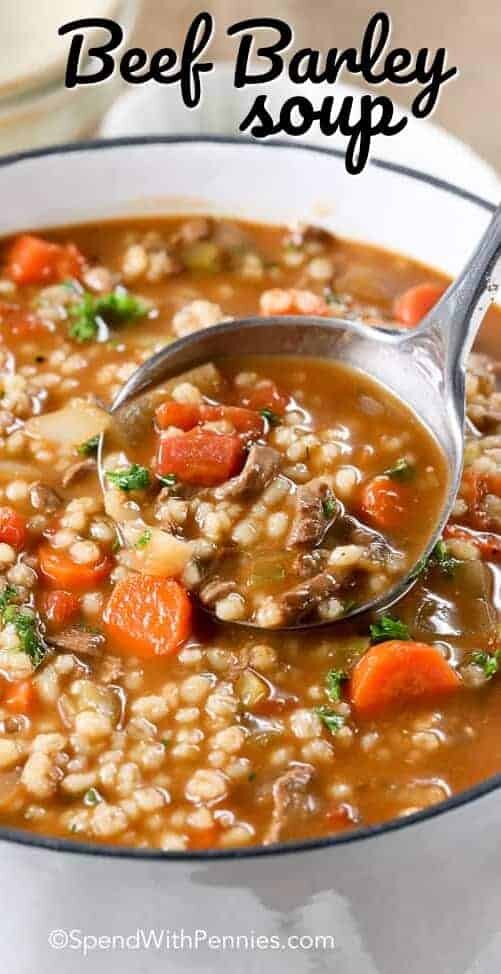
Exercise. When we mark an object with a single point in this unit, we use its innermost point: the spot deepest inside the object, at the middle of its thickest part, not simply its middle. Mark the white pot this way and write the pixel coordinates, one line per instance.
(419, 895)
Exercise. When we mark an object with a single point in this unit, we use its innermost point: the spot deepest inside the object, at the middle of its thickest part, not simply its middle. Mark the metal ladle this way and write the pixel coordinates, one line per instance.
(424, 367)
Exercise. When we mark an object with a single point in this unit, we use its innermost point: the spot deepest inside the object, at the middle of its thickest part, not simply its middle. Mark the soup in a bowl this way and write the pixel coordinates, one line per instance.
(265, 490)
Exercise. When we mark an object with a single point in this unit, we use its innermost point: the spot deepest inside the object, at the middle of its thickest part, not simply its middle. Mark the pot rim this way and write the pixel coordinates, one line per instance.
(456, 801)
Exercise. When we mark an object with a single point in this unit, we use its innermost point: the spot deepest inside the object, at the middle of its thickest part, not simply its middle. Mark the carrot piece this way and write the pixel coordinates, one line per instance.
(200, 457)
(385, 502)
(60, 607)
(13, 529)
(21, 697)
(398, 672)
(185, 416)
(181, 414)
(246, 421)
(411, 306)
(148, 616)
(265, 395)
(32, 260)
(61, 571)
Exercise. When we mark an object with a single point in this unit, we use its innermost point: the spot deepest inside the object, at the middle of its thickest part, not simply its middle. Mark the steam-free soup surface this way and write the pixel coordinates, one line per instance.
(126, 715)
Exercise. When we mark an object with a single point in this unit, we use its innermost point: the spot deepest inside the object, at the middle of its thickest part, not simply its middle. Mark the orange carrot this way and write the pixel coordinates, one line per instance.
(399, 672)
(21, 697)
(201, 457)
(181, 414)
(246, 421)
(32, 260)
(148, 616)
(385, 502)
(265, 395)
(61, 571)
(60, 607)
(185, 416)
(13, 529)
(411, 306)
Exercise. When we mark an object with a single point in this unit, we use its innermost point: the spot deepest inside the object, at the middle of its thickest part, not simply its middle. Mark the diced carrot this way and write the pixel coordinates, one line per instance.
(60, 607)
(411, 306)
(148, 616)
(246, 421)
(32, 260)
(181, 414)
(385, 502)
(265, 395)
(399, 672)
(488, 544)
(61, 571)
(13, 529)
(185, 416)
(21, 697)
(200, 457)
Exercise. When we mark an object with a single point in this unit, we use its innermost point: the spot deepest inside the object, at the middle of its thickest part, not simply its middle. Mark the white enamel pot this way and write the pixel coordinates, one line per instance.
(417, 895)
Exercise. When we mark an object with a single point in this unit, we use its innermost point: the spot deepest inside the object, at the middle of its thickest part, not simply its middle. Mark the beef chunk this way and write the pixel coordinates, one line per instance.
(316, 509)
(304, 598)
(79, 641)
(261, 465)
(290, 799)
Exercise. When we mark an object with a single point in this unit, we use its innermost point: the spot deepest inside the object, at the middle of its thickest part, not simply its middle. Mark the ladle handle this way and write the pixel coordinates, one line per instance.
(459, 313)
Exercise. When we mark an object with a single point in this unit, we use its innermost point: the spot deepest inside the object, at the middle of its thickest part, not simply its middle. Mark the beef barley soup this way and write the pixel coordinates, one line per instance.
(271, 489)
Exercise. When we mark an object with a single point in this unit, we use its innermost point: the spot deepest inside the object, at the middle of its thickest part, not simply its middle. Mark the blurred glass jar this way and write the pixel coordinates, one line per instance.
(35, 107)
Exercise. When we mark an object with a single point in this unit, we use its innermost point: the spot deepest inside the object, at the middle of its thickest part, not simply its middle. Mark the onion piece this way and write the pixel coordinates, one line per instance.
(70, 426)
(17, 470)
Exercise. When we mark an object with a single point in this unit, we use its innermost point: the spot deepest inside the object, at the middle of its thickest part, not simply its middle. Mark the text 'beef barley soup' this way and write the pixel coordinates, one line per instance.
(271, 489)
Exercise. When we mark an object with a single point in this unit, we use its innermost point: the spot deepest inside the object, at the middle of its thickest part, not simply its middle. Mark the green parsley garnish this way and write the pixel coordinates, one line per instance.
(134, 477)
(401, 470)
(113, 308)
(441, 558)
(167, 479)
(387, 627)
(489, 663)
(272, 418)
(333, 683)
(26, 626)
(144, 539)
(6, 597)
(92, 797)
(89, 447)
(329, 506)
(330, 718)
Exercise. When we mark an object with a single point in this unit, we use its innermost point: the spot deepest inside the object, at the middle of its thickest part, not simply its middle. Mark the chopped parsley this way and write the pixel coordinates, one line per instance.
(489, 663)
(401, 470)
(92, 797)
(144, 539)
(333, 683)
(388, 627)
(113, 308)
(89, 447)
(329, 506)
(25, 623)
(333, 721)
(441, 559)
(134, 477)
(272, 418)
(167, 479)
(7, 596)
